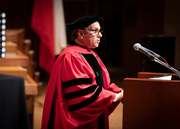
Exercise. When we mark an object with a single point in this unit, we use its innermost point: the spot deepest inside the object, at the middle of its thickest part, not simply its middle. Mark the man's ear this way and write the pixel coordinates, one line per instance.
(80, 32)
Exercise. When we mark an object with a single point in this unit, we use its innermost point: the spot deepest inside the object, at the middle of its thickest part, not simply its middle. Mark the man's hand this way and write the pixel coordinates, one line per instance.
(120, 95)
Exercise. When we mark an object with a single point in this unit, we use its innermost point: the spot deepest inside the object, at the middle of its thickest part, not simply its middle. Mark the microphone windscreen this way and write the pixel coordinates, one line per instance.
(136, 46)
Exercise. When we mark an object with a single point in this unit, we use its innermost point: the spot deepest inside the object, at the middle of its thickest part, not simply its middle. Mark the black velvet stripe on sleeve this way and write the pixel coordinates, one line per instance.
(86, 102)
(80, 93)
(77, 81)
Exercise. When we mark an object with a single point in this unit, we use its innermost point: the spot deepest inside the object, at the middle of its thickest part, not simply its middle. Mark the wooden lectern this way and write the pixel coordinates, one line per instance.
(151, 103)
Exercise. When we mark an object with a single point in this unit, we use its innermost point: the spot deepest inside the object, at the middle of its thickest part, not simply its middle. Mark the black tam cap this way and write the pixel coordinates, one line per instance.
(84, 22)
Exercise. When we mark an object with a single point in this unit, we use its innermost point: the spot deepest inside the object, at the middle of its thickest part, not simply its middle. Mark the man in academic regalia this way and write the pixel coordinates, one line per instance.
(79, 93)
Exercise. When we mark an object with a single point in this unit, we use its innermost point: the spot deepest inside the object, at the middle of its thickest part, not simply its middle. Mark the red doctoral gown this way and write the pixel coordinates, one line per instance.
(73, 97)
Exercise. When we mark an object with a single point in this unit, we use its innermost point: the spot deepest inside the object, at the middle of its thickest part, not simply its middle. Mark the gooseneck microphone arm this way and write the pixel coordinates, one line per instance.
(167, 66)
(155, 57)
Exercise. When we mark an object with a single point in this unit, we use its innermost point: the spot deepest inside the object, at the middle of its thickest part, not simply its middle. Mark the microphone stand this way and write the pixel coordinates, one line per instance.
(155, 59)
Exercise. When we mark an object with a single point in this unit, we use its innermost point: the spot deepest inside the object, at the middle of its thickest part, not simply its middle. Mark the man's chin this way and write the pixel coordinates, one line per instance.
(95, 47)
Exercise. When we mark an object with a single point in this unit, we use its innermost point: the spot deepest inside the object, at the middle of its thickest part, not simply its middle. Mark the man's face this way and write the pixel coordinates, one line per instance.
(92, 35)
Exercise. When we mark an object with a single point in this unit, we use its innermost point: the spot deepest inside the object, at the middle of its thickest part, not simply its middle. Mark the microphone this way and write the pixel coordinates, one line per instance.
(147, 52)
(155, 57)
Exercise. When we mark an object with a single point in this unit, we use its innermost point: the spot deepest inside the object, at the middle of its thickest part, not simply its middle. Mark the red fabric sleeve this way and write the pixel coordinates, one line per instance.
(109, 86)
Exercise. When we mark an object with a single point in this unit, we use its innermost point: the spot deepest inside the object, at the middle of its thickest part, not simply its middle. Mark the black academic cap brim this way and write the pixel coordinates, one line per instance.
(84, 22)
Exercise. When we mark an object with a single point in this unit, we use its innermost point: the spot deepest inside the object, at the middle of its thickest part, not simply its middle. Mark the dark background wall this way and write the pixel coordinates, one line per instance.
(125, 21)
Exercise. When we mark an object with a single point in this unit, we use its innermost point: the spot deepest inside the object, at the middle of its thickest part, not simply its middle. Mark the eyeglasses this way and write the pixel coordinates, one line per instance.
(95, 31)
